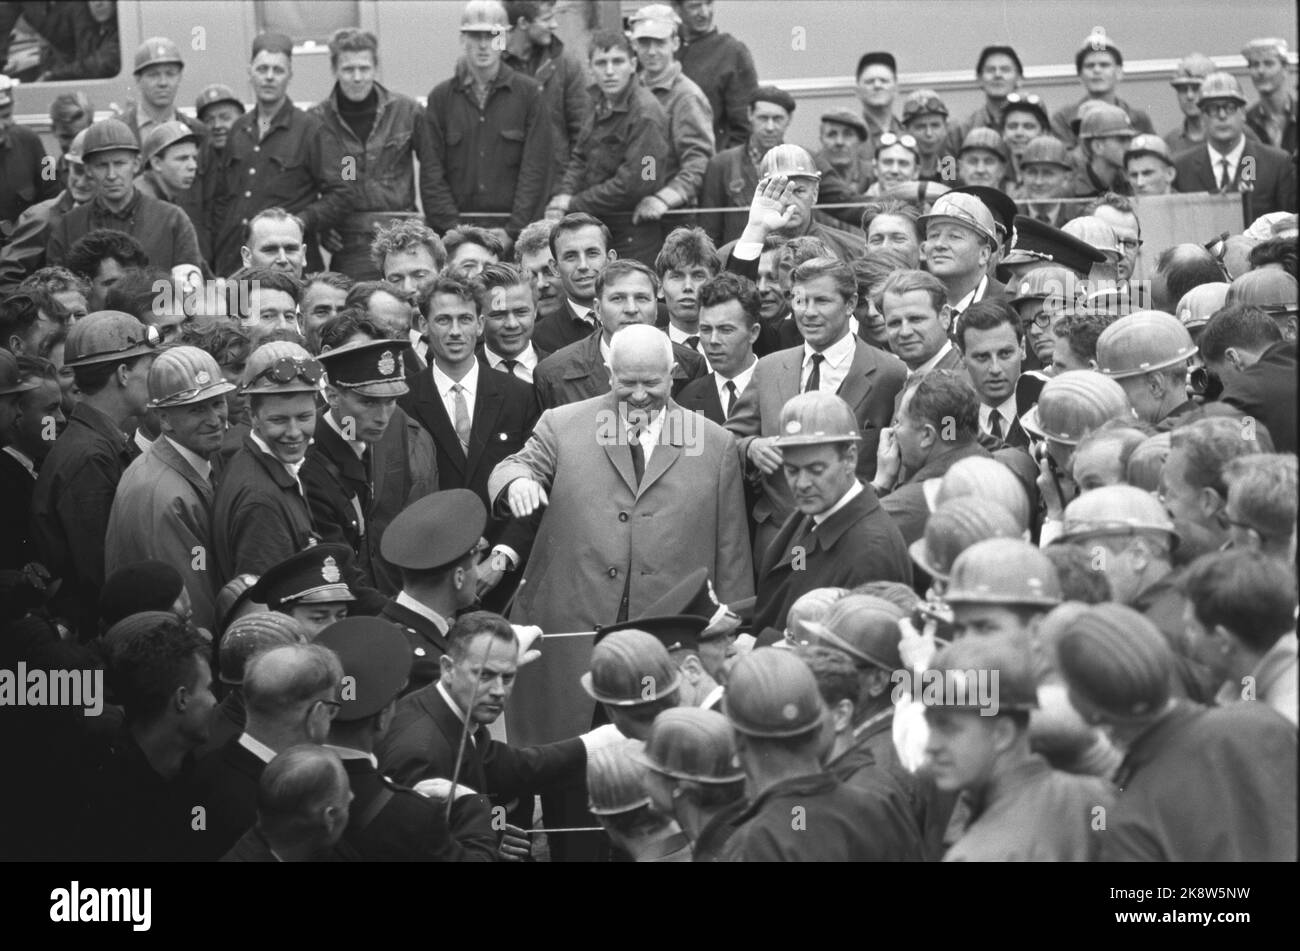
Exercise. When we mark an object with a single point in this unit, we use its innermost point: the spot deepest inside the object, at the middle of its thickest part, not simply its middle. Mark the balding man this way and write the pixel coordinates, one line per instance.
(602, 468)
(302, 808)
(291, 695)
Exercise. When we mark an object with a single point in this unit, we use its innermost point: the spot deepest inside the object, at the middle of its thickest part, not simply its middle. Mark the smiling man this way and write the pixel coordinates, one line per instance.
(579, 250)
(959, 240)
(163, 506)
(260, 502)
(505, 299)
(268, 301)
(917, 321)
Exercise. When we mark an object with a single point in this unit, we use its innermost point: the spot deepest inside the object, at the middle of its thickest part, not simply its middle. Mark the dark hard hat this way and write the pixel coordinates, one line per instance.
(108, 336)
(694, 744)
(1116, 660)
(108, 135)
(772, 693)
(156, 51)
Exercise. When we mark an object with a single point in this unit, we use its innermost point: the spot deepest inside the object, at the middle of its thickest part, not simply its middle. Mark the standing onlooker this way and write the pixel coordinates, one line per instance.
(1100, 66)
(723, 68)
(732, 174)
(1188, 76)
(1273, 118)
(22, 160)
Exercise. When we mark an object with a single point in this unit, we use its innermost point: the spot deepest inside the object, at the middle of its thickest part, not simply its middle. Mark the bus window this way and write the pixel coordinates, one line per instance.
(306, 20)
(60, 41)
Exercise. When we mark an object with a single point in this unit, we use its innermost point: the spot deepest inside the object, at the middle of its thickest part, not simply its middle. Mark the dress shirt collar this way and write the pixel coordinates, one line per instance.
(585, 314)
(24, 460)
(845, 499)
(442, 691)
(257, 748)
(526, 357)
(444, 383)
(933, 362)
(290, 467)
(741, 379)
(200, 465)
(972, 297)
(1006, 409)
(1233, 156)
(677, 335)
(408, 602)
(840, 352)
(347, 752)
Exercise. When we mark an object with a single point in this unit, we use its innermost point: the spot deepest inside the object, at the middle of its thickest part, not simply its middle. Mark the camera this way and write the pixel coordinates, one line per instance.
(1206, 384)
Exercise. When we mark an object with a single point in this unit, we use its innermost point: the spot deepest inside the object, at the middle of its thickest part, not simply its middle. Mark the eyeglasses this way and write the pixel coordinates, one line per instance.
(889, 138)
(1219, 108)
(1042, 319)
(286, 369)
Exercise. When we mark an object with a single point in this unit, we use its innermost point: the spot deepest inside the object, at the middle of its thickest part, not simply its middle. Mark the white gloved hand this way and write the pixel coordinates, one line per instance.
(441, 789)
(528, 634)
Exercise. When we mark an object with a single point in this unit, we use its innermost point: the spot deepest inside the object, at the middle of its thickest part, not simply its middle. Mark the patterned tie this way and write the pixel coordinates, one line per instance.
(462, 420)
(508, 366)
(731, 395)
(995, 425)
(815, 377)
(694, 343)
(1225, 177)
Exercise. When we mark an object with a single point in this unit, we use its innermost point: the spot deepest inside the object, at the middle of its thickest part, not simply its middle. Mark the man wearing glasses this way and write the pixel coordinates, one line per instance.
(1229, 162)
(261, 509)
(1120, 213)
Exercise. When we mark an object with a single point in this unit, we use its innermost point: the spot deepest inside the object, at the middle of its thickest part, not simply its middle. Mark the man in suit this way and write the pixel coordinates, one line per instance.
(477, 417)
(960, 237)
(837, 535)
(1229, 162)
(579, 251)
(1244, 348)
(625, 295)
(729, 326)
(603, 468)
(687, 259)
(505, 299)
(303, 809)
(433, 542)
(918, 322)
(833, 361)
(992, 347)
(291, 695)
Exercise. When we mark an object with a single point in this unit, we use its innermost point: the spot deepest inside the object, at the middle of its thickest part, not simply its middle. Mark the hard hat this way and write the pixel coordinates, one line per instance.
(990, 140)
(234, 594)
(630, 668)
(1220, 85)
(1057, 286)
(1015, 690)
(252, 634)
(956, 525)
(965, 210)
(1192, 70)
(184, 375)
(1115, 510)
(815, 418)
(156, 51)
(1073, 404)
(615, 780)
(811, 606)
(988, 479)
(1046, 150)
(76, 154)
(772, 693)
(792, 161)
(1148, 144)
(214, 94)
(108, 336)
(109, 135)
(376, 659)
(923, 102)
(11, 377)
(484, 16)
(1142, 342)
(1092, 230)
(1201, 303)
(1268, 288)
(1003, 571)
(1116, 660)
(864, 627)
(164, 136)
(694, 744)
(281, 367)
(1104, 120)
(1277, 47)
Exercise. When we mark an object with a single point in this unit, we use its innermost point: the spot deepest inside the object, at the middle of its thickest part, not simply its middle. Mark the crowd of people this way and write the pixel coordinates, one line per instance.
(573, 469)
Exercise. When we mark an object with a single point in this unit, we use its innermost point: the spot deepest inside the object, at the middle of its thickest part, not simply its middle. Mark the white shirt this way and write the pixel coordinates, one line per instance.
(456, 710)
(408, 602)
(1006, 409)
(347, 752)
(527, 358)
(933, 362)
(1233, 157)
(257, 748)
(23, 460)
(356, 445)
(741, 380)
(649, 435)
(444, 383)
(677, 335)
(959, 308)
(839, 356)
(585, 314)
(289, 467)
(713, 696)
(420, 344)
(197, 462)
(845, 499)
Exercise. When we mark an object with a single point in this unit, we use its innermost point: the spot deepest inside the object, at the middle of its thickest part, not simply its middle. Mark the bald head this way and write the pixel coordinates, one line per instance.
(641, 344)
(641, 370)
(281, 686)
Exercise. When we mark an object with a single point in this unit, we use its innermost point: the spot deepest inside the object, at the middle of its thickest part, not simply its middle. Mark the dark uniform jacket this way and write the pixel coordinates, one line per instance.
(285, 169)
(723, 68)
(405, 468)
(857, 544)
(425, 735)
(261, 515)
(224, 784)
(729, 182)
(701, 395)
(578, 372)
(428, 643)
(554, 333)
(839, 823)
(17, 546)
(1266, 390)
(70, 508)
(1266, 174)
(1257, 122)
(715, 841)
(388, 822)
(163, 230)
(490, 159)
(340, 494)
(191, 200)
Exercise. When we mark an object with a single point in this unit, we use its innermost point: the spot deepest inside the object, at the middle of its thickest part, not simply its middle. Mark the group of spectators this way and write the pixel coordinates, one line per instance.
(617, 499)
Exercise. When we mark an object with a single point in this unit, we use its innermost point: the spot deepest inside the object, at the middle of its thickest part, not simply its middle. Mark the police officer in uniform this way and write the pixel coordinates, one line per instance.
(432, 542)
(309, 586)
(389, 821)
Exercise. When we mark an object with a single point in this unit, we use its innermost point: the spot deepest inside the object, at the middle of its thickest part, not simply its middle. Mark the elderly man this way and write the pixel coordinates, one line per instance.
(303, 809)
(611, 460)
(960, 238)
(1118, 670)
(1261, 506)
(163, 506)
(291, 695)
(1147, 354)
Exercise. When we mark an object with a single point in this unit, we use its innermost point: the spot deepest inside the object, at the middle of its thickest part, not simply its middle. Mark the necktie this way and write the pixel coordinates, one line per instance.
(815, 377)
(508, 366)
(731, 396)
(1225, 178)
(638, 456)
(462, 420)
(694, 343)
(995, 425)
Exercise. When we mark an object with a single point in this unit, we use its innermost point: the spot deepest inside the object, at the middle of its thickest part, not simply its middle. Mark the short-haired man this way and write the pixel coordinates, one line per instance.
(625, 292)
(918, 322)
(1261, 506)
(1244, 348)
(267, 300)
(389, 309)
(1186, 82)
(1121, 214)
(1000, 73)
(470, 249)
(732, 174)
(1229, 162)
(847, 173)
(1100, 67)
(687, 259)
(110, 355)
(505, 299)
(1149, 166)
(832, 360)
(728, 328)
(275, 158)
(992, 348)
(534, 257)
(169, 157)
(303, 808)
(1273, 118)
(1191, 482)
(579, 251)
(70, 114)
(134, 784)
(275, 239)
(27, 319)
(363, 121)
(722, 66)
(158, 72)
(407, 253)
(324, 295)
(1241, 619)
(291, 695)
(102, 257)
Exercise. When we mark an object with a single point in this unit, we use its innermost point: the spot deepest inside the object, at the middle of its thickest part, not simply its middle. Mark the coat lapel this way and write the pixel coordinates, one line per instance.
(431, 412)
(672, 437)
(856, 387)
(168, 456)
(487, 409)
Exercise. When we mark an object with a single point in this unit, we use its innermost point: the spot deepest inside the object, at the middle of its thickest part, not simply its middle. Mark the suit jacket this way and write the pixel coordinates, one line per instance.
(578, 372)
(425, 735)
(602, 535)
(557, 331)
(17, 547)
(1274, 177)
(702, 396)
(952, 360)
(428, 643)
(857, 544)
(505, 411)
(163, 511)
(874, 379)
(908, 506)
(1028, 387)
(1267, 391)
(225, 785)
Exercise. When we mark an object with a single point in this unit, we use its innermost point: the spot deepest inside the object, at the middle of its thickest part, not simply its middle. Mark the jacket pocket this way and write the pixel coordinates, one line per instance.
(512, 147)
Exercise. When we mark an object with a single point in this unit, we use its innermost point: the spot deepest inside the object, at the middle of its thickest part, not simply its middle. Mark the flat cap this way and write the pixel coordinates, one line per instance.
(878, 58)
(11, 379)
(435, 531)
(376, 662)
(848, 118)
